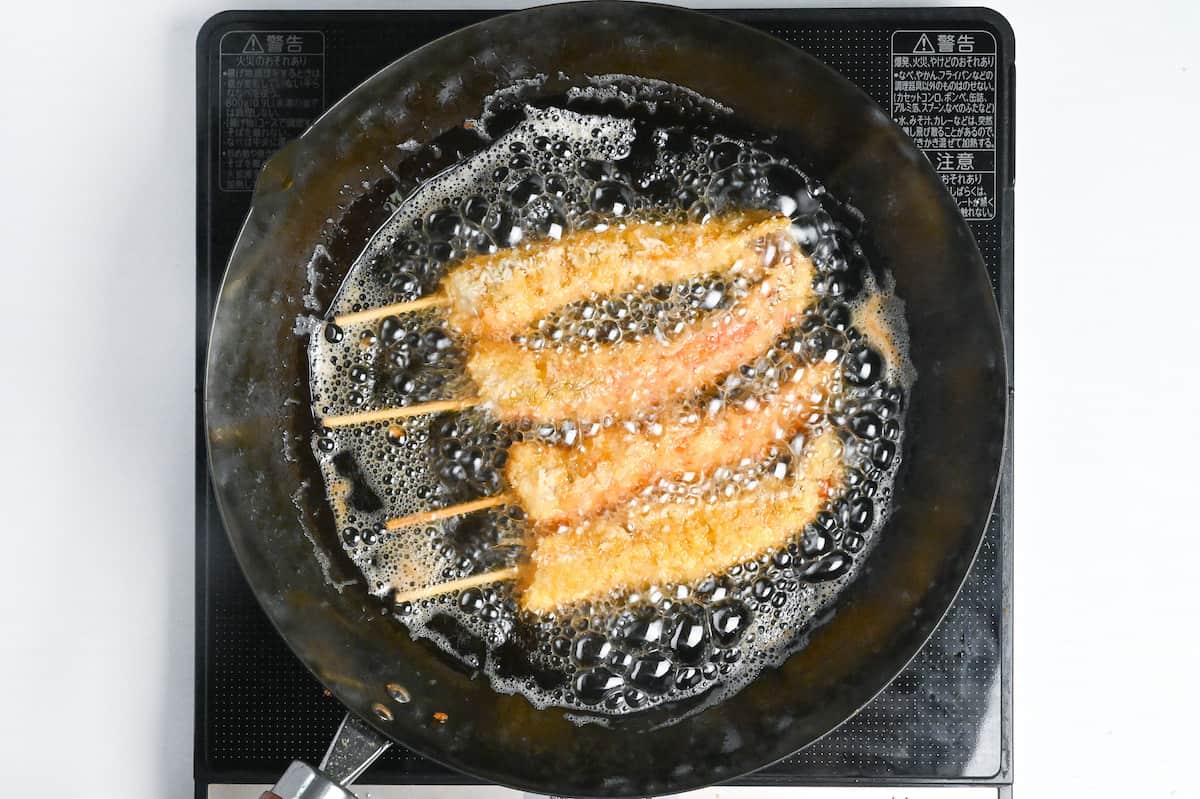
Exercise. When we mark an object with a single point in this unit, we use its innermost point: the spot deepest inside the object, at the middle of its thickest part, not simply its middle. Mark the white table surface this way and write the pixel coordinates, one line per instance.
(97, 251)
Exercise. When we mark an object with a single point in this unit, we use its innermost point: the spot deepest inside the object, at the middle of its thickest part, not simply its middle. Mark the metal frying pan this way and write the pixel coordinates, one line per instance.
(269, 489)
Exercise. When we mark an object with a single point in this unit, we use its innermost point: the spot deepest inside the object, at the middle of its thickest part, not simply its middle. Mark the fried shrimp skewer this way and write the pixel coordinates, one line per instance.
(497, 295)
(626, 378)
(675, 542)
(639, 543)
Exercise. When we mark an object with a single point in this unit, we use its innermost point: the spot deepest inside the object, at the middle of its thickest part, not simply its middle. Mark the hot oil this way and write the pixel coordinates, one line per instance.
(557, 171)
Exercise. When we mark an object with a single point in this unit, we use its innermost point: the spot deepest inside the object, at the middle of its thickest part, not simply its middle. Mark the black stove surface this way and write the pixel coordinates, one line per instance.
(946, 75)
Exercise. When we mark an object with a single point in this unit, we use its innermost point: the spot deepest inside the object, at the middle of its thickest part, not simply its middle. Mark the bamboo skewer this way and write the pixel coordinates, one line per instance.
(432, 301)
(498, 576)
(406, 412)
(501, 575)
(446, 513)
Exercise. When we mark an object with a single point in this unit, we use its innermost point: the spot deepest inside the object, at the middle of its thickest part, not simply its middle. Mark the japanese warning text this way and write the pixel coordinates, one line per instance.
(944, 96)
(272, 88)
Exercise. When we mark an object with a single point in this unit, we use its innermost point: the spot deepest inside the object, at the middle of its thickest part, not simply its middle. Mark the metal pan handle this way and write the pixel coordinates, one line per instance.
(355, 747)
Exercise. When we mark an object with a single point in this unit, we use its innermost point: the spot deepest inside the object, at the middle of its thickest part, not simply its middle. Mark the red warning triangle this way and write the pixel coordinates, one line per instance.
(923, 45)
(253, 45)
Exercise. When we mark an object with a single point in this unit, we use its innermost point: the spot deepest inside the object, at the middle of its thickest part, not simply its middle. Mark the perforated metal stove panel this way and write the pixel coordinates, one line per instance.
(946, 718)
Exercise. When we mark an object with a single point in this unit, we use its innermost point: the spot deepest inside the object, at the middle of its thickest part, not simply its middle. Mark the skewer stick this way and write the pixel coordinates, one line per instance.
(396, 308)
(408, 411)
(446, 513)
(509, 542)
(498, 576)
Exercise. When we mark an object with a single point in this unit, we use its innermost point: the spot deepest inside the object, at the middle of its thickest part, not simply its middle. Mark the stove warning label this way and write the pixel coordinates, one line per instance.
(944, 96)
(272, 86)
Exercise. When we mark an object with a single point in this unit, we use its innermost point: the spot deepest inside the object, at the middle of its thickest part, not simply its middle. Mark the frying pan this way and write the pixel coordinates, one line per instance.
(327, 188)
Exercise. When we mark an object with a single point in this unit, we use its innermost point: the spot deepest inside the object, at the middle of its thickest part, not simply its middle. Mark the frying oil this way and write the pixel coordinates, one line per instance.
(599, 159)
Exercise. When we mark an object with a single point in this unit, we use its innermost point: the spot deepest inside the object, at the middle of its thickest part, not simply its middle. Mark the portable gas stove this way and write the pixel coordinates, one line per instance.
(947, 77)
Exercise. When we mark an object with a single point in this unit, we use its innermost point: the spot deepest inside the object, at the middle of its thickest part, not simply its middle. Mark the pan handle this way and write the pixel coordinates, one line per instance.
(302, 781)
(355, 747)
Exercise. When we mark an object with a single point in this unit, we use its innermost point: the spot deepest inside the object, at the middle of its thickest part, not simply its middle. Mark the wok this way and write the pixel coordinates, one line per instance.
(270, 491)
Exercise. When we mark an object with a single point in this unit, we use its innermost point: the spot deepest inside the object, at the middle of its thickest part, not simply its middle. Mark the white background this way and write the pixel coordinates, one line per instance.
(97, 222)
